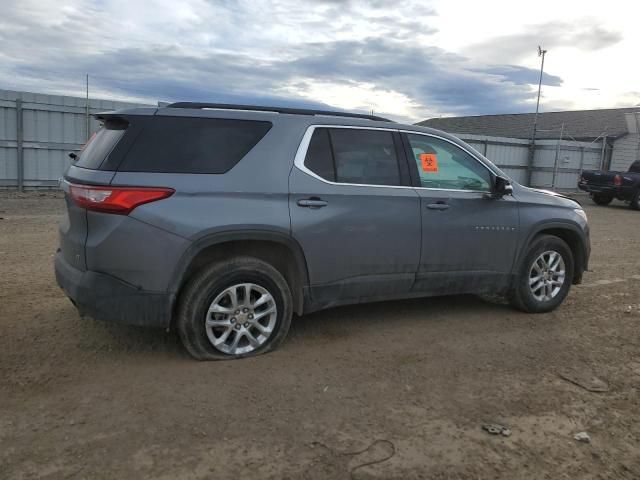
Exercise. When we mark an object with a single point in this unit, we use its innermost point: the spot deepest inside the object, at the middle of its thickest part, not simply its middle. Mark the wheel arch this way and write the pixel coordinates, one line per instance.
(276, 248)
(572, 235)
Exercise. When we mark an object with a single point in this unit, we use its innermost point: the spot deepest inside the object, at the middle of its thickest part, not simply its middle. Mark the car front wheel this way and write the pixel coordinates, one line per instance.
(545, 276)
(234, 308)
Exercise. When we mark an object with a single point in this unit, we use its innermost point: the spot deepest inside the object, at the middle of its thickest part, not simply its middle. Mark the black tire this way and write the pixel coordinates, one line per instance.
(213, 279)
(635, 201)
(521, 296)
(601, 199)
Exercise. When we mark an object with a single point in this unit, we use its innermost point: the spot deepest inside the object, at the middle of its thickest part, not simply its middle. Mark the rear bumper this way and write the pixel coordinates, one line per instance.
(104, 297)
(605, 189)
(621, 192)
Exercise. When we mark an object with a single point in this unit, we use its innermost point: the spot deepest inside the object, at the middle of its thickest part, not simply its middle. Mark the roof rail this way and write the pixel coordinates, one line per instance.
(257, 108)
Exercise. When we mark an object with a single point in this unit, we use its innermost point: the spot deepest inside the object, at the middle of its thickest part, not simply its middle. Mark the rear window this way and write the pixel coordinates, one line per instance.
(635, 167)
(101, 144)
(193, 145)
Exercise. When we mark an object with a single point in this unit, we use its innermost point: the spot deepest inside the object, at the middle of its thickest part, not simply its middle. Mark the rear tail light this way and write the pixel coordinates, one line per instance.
(119, 200)
(617, 180)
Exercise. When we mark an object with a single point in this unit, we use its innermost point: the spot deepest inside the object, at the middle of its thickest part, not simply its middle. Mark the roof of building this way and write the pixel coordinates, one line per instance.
(579, 124)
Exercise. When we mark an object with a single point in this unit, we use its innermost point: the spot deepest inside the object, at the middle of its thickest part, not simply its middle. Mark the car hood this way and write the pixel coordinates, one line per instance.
(537, 195)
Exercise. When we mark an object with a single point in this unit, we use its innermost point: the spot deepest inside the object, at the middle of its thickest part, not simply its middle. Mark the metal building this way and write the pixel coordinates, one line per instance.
(614, 129)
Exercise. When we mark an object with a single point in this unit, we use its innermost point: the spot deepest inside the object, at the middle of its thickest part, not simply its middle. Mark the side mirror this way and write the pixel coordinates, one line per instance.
(501, 187)
(73, 156)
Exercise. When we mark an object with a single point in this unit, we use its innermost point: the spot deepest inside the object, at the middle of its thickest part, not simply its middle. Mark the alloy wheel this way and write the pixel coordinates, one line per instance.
(241, 318)
(547, 276)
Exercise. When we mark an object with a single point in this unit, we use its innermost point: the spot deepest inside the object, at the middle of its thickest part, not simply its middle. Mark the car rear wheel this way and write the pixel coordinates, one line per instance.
(545, 276)
(601, 199)
(235, 308)
(635, 201)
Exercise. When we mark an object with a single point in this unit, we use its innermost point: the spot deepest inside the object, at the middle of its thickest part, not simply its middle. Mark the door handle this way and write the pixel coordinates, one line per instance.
(313, 202)
(438, 206)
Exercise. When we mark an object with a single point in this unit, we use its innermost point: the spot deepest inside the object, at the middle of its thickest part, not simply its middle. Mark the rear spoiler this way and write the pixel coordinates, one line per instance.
(124, 113)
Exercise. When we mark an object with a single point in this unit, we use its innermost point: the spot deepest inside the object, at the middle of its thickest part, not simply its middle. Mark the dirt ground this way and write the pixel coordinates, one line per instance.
(388, 390)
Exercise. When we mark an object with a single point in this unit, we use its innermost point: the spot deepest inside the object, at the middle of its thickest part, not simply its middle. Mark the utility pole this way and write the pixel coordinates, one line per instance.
(20, 142)
(541, 53)
(555, 162)
(87, 109)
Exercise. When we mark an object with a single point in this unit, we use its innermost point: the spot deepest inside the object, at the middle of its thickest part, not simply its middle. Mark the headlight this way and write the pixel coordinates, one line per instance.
(582, 213)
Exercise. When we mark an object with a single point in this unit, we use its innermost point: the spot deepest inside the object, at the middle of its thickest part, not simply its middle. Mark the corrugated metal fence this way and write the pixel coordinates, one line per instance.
(38, 131)
(556, 164)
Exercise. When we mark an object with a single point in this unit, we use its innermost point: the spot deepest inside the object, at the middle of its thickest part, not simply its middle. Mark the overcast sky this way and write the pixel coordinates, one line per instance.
(409, 60)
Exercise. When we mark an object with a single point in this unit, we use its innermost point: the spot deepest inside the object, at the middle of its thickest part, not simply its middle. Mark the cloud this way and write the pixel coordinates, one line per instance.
(521, 75)
(628, 99)
(435, 79)
(582, 34)
(351, 54)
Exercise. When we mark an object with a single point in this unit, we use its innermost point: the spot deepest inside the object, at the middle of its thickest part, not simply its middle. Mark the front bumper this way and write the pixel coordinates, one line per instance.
(104, 297)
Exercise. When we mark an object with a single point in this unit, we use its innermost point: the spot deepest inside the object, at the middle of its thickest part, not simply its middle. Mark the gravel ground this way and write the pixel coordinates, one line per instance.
(387, 390)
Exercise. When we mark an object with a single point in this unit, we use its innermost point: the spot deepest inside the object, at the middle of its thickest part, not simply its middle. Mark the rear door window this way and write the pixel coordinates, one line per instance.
(193, 145)
(101, 144)
(354, 155)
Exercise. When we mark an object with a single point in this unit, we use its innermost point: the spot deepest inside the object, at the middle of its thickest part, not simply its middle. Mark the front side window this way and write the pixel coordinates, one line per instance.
(444, 165)
(350, 155)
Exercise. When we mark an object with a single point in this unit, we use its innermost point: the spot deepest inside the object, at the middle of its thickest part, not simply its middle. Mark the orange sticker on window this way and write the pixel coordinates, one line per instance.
(429, 162)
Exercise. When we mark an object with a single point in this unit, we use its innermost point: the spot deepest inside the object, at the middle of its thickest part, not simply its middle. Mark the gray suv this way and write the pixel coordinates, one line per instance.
(222, 221)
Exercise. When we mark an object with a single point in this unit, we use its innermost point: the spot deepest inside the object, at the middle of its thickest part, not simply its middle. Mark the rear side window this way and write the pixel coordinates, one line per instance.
(319, 155)
(193, 145)
(350, 155)
(101, 144)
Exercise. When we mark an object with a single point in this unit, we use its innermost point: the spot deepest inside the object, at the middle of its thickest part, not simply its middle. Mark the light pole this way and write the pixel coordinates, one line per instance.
(541, 53)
